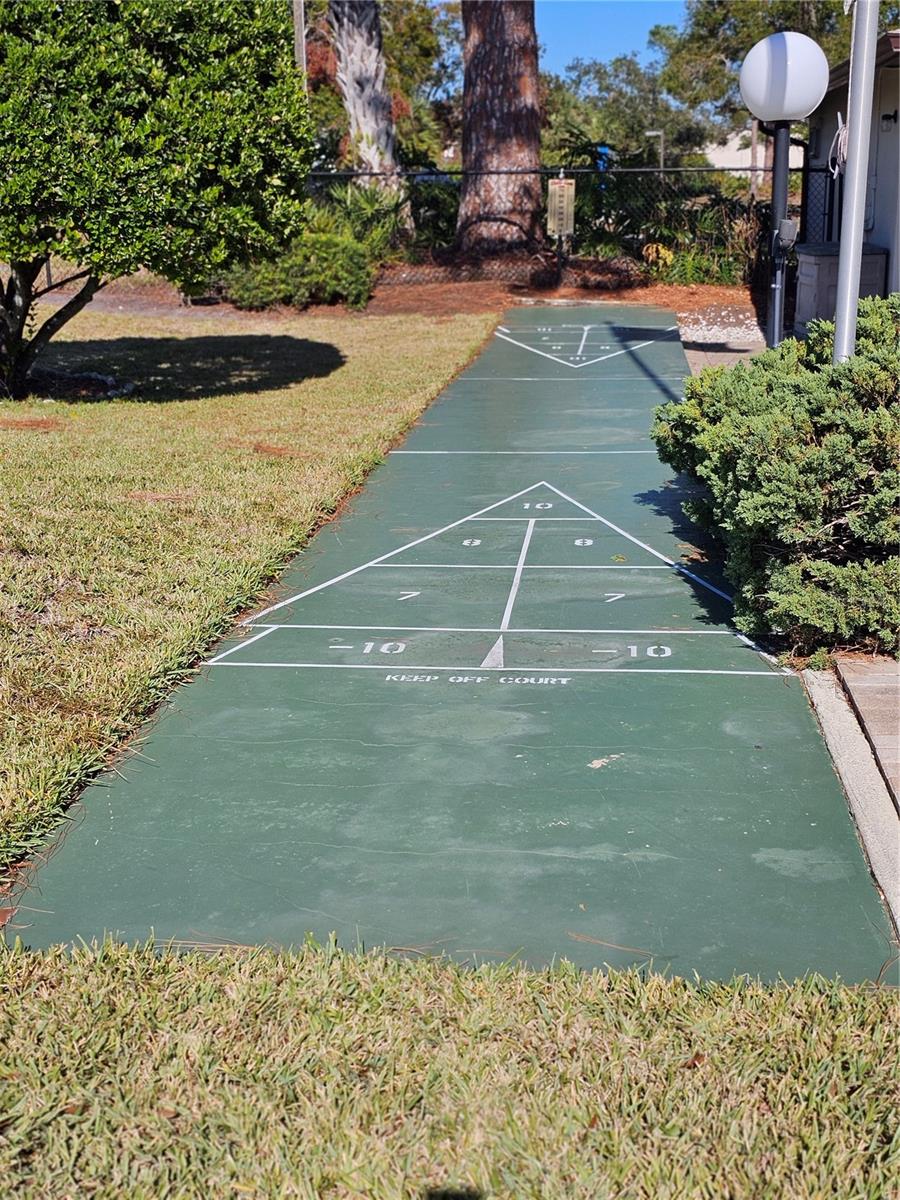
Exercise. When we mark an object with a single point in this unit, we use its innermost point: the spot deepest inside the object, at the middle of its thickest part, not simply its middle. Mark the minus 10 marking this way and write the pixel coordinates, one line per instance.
(370, 647)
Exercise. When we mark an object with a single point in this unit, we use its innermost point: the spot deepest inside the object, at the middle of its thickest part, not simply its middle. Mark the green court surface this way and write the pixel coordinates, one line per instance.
(497, 712)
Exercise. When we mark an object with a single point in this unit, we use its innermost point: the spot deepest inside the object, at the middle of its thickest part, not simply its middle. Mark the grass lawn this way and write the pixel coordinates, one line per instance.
(320, 1074)
(134, 530)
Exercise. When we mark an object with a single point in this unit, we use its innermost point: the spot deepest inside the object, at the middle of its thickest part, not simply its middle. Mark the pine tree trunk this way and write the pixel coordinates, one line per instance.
(356, 29)
(501, 127)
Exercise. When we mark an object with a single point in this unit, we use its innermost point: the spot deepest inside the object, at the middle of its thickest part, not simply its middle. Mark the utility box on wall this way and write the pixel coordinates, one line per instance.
(817, 280)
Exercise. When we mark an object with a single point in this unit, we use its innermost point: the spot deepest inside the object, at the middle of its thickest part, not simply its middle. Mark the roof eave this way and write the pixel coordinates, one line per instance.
(887, 48)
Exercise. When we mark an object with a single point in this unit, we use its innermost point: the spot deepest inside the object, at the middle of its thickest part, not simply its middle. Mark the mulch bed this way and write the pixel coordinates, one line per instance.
(538, 270)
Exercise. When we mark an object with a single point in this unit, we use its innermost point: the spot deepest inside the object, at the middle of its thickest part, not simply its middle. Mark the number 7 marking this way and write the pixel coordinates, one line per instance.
(613, 596)
(408, 595)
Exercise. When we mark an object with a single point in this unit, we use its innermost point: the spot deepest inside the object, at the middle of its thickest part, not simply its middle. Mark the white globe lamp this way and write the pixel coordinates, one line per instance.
(783, 79)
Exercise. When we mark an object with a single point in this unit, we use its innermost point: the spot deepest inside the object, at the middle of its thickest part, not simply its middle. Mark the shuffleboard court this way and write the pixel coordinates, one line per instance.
(497, 710)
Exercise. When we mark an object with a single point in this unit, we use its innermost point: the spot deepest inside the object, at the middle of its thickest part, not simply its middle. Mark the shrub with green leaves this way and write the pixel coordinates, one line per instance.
(172, 135)
(318, 268)
(801, 463)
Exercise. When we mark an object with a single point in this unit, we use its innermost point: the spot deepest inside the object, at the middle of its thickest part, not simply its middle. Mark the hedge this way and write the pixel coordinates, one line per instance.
(319, 268)
(799, 460)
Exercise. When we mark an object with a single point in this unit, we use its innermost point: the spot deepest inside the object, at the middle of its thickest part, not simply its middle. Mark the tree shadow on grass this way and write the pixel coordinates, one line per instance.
(166, 369)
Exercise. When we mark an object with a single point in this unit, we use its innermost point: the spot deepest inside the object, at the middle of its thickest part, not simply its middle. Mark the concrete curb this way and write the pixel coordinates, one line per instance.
(877, 823)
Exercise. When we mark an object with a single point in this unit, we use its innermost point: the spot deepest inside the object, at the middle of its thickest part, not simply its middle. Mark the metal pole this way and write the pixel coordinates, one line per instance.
(297, 8)
(859, 128)
(662, 149)
(780, 164)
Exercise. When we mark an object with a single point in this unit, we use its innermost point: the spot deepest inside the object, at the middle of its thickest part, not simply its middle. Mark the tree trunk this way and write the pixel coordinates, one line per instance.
(18, 351)
(501, 127)
(356, 29)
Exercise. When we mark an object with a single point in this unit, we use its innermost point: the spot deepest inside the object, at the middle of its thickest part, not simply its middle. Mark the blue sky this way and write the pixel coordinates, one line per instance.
(599, 29)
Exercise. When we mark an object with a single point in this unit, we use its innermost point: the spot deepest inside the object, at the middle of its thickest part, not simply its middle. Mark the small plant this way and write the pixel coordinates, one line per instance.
(800, 461)
(319, 268)
(819, 660)
(656, 255)
(696, 266)
(372, 216)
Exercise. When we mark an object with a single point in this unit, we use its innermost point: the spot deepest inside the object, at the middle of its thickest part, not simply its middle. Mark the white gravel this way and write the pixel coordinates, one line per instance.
(721, 324)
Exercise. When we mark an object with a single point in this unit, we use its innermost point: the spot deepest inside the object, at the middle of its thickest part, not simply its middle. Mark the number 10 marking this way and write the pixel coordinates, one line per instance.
(385, 647)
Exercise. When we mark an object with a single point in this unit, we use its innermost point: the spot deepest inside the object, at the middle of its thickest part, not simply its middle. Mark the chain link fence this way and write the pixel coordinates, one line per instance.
(680, 224)
(821, 208)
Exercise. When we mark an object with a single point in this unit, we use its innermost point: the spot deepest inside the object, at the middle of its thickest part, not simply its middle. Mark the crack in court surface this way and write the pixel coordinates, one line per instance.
(492, 697)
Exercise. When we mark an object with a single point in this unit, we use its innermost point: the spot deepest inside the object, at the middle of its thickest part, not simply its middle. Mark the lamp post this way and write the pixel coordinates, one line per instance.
(660, 133)
(783, 78)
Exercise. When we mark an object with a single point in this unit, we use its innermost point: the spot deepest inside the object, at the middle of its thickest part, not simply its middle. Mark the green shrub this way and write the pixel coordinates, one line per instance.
(699, 266)
(371, 215)
(800, 462)
(319, 268)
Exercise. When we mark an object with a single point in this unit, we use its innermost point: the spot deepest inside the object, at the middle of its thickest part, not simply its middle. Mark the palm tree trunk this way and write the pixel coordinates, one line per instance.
(356, 30)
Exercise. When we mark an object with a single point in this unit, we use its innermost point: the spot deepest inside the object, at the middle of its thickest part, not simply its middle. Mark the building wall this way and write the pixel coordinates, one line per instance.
(734, 155)
(882, 225)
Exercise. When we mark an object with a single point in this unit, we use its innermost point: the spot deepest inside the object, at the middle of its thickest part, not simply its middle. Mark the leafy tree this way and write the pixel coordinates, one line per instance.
(702, 60)
(501, 127)
(423, 49)
(172, 135)
(614, 103)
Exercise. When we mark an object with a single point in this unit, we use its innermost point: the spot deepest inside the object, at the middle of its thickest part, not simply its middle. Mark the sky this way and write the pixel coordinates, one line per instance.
(600, 29)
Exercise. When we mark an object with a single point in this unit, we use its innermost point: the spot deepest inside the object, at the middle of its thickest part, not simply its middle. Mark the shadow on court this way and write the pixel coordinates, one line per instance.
(192, 368)
(706, 555)
(626, 335)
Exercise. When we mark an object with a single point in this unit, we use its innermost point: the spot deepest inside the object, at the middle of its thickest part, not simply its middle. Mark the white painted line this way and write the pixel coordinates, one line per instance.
(603, 567)
(390, 554)
(517, 578)
(512, 566)
(537, 379)
(535, 518)
(609, 325)
(741, 637)
(446, 566)
(591, 362)
(520, 453)
(584, 336)
(494, 656)
(256, 637)
(386, 667)
(494, 629)
(678, 567)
